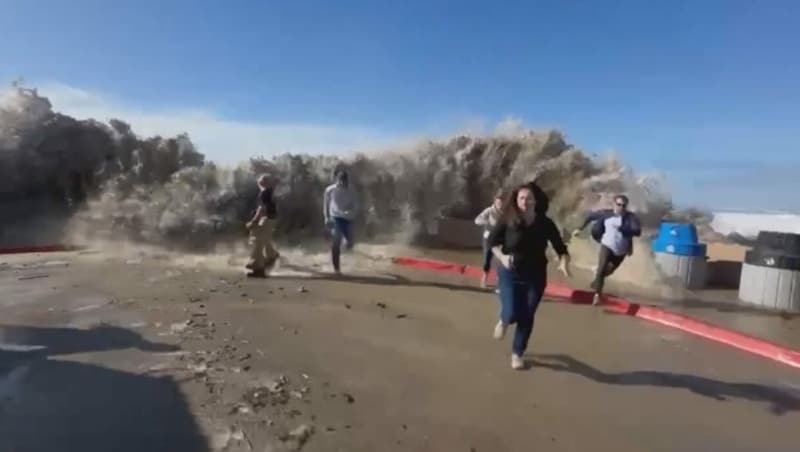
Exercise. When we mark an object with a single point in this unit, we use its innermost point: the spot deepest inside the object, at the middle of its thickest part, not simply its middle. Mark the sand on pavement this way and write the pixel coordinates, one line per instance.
(155, 354)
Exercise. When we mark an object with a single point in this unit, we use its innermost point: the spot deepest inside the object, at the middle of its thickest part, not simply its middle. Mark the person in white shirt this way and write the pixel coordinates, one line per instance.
(614, 229)
(339, 205)
(487, 220)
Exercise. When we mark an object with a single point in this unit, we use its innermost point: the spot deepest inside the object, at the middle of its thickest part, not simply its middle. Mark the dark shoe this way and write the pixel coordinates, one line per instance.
(249, 266)
(257, 274)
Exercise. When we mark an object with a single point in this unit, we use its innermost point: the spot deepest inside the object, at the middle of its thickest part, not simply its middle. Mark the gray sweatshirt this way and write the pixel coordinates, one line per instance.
(488, 219)
(339, 202)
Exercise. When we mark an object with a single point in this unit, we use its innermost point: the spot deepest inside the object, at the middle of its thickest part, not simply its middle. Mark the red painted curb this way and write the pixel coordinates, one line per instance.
(735, 339)
(553, 290)
(36, 249)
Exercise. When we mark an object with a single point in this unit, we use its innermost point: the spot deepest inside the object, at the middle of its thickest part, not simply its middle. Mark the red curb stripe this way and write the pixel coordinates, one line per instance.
(36, 249)
(743, 342)
(429, 264)
(735, 339)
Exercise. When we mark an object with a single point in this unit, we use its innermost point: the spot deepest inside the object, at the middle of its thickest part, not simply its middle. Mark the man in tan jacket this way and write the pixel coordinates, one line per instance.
(262, 226)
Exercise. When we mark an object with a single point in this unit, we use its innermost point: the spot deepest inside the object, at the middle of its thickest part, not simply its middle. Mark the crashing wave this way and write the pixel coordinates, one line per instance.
(94, 179)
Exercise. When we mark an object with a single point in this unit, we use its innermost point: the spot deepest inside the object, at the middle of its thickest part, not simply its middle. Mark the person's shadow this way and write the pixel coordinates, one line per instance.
(48, 403)
(780, 401)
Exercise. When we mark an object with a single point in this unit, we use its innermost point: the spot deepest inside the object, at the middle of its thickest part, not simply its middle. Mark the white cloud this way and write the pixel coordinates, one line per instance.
(222, 140)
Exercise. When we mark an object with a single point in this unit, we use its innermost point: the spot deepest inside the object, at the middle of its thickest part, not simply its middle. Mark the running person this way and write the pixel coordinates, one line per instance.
(519, 242)
(262, 228)
(339, 210)
(614, 229)
(487, 220)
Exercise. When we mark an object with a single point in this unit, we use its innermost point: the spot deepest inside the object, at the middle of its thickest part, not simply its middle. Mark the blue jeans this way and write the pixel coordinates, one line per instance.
(487, 256)
(341, 228)
(519, 299)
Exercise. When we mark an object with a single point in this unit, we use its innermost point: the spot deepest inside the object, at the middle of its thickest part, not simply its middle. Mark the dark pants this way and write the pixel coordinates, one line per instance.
(342, 228)
(487, 256)
(607, 263)
(519, 299)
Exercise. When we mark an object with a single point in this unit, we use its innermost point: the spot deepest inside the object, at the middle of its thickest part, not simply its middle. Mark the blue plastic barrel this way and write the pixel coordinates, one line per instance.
(679, 239)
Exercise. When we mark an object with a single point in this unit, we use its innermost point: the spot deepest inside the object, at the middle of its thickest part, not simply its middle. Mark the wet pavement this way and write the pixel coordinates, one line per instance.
(107, 355)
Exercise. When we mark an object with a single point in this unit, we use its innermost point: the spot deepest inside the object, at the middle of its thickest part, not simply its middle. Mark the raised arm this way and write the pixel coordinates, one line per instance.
(326, 203)
(592, 217)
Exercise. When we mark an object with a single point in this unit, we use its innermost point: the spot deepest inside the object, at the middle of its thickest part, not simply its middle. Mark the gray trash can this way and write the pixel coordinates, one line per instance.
(771, 272)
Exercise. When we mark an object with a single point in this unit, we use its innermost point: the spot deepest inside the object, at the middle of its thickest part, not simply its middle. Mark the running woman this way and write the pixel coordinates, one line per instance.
(339, 210)
(519, 242)
(614, 229)
(487, 220)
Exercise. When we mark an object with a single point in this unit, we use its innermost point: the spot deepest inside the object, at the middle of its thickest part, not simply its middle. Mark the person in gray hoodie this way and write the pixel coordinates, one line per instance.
(487, 220)
(339, 206)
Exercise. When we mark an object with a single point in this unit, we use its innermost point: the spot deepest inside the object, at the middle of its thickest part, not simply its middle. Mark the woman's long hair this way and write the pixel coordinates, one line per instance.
(542, 200)
(511, 215)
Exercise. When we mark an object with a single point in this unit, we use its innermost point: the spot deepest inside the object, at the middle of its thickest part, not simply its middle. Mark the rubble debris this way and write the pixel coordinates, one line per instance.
(401, 316)
(180, 327)
(302, 289)
(348, 398)
(261, 397)
(347, 306)
(381, 305)
(198, 369)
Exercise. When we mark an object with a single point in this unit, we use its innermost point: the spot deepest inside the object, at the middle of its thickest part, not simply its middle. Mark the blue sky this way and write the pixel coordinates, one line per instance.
(706, 91)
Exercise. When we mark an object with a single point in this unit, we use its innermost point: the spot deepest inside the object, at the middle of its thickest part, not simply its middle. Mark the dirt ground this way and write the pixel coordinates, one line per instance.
(162, 354)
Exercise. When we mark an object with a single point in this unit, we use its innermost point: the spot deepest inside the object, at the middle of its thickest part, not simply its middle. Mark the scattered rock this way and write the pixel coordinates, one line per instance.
(198, 369)
(241, 408)
(298, 437)
(347, 306)
(302, 289)
(244, 294)
(401, 316)
(381, 305)
(348, 398)
(180, 327)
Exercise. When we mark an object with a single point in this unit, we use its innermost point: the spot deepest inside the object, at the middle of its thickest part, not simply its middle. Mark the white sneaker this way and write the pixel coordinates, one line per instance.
(500, 330)
(596, 300)
(516, 362)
